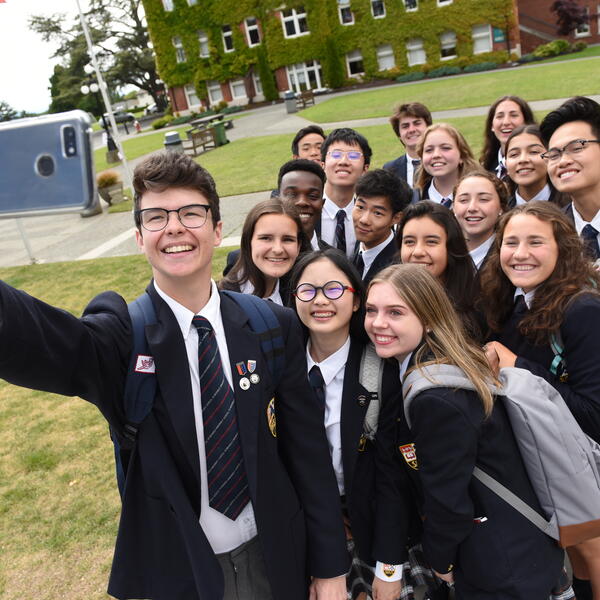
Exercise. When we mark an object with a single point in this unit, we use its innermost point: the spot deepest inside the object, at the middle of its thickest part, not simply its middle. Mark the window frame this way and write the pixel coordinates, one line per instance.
(411, 9)
(180, 55)
(195, 94)
(237, 82)
(588, 27)
(387, 54)
(168, 5)
(294, 17)
(227, 35)
(383, 16)
(203, 41)
(341, 11)
(413, 47)
(211, 85)
(353, 59)
(480, 36)
(450, 56)
(249, 28)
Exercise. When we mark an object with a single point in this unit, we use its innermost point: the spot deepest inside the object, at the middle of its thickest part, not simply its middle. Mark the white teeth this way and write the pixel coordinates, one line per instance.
(322, 315)
(523, 267)
(524, 171)
(567, 174)
(383, 339)
(474, 219)
(277, 260)
(182, 248)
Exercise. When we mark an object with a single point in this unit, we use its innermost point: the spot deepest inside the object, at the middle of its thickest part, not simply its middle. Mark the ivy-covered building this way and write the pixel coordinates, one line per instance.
(242, 51)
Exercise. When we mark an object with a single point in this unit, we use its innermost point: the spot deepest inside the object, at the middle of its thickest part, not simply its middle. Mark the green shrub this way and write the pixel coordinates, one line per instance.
(232, 109)
(414, 76)
(483, 66)
(444, 71)
(221, 106)
(527, 58)
(183, 119)
(554, 48)
(162, 122)
(107, 178)
(579, 46)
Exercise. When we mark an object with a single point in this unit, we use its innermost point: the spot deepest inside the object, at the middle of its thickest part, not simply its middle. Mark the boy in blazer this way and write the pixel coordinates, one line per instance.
(173, 542)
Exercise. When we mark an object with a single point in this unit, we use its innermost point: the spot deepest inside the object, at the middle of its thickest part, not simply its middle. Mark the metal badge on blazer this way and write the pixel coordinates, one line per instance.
(241, 368)
(410, 455)
(271, 417)
(251, 366)
(245, 383)
(254, 378)
(145, 364)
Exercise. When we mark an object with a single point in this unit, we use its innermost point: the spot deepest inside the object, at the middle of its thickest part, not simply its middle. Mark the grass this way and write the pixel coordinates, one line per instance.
(539, 82)
(59, 504)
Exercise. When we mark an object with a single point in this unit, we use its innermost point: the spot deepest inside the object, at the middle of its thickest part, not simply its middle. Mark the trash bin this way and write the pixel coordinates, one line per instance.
(290, 102)
(220, 134)
(173, 142)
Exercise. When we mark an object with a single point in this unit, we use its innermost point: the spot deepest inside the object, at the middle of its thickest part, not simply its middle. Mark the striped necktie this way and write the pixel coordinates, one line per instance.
(318, 385)
(589, 234)
(227, 483)
(340, 231)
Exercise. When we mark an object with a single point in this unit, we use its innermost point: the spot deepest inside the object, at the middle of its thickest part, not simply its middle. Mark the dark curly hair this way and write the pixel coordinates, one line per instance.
(572, 275)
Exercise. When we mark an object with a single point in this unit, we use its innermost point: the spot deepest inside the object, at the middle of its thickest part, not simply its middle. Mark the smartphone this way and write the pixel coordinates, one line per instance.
(46, 164)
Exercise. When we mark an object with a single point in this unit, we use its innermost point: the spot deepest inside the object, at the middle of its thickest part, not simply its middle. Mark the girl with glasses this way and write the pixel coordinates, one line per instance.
(328, 296)
(473, 540)
(272, 238)
(445, 156)
(541, 299)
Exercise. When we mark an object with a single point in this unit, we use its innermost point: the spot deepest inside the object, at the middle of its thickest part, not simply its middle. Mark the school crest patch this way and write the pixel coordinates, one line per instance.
(271, 418)
(389, 570)
(145, 364)
(410, 455)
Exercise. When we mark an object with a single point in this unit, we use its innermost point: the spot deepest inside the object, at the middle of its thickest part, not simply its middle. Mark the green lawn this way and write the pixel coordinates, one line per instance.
(537, 82)
(59, 504)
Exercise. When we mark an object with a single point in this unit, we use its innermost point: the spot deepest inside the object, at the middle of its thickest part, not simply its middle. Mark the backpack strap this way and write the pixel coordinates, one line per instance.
(559, 365)
(370, 376)
(265, 324)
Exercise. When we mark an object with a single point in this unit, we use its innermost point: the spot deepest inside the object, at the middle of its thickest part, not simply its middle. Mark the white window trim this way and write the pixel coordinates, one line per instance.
(247, 29)
(192, 2)
(203, 37)
(444, 2)
(383, 16)
(354, 75)
(481, 36)
(387, 53)
(214, 84)
(230, 36)
(180, 58)
(257, 84)
(588, 30)
(413, 47)
(411, 9)
(452, 56)
(295, 18)
(232, 87)
(187, 96)
(292, 70)
(340, 9)
(168, 5)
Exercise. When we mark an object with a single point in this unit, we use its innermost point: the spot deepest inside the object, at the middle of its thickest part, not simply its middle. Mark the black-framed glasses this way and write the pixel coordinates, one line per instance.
(573, 147)
(332, 290)
(350, 154)
(192, 216)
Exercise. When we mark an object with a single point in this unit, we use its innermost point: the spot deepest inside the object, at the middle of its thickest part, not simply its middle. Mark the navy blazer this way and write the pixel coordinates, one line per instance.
(494, 550)
(161, 551)
(580, 333)
(383, 259)
(398, 167)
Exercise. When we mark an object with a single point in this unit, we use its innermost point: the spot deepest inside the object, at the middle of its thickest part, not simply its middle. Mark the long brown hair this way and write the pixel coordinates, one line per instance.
(572, 275)
(444, 337)
(244, 269)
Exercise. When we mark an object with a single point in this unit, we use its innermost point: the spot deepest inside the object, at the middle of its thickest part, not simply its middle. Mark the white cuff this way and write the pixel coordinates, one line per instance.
(388, 572)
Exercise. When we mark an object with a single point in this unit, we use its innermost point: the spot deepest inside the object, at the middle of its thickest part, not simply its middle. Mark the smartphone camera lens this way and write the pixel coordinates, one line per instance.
(69, 142)
(45, 165)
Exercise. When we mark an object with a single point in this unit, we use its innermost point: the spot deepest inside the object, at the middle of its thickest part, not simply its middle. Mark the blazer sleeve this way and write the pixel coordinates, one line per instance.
(446, 446)
(580, 332)
(49, 349)
(304, 449)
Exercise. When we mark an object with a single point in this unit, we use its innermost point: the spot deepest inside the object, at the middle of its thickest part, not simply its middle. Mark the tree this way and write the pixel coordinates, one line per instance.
(7, 113)
(569, 15)
(118, 29)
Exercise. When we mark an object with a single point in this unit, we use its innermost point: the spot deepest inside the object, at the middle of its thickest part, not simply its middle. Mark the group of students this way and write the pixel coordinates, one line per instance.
(498, 237)
(385, 278)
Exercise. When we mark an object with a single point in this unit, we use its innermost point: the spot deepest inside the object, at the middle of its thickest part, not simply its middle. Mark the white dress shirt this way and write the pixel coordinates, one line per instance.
(223, 534)
(542, 195)
(435, 196)
(370, 254)
(528, 297)
(248, 288)
(329, 222)
(580, 222)
(410, 171)
(332, 370)
(478, 254)
(314, 242)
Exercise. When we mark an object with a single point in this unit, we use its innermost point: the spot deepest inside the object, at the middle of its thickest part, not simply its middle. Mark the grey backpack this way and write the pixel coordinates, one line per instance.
(562, 462)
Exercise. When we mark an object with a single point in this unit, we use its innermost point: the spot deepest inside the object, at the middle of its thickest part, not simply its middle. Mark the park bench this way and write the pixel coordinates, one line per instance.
(305, 98)
(200, 141)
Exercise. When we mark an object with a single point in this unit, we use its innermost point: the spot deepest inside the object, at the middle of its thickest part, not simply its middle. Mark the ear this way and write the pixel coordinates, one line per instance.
(218, 233)
(396, 218)
(139, 240)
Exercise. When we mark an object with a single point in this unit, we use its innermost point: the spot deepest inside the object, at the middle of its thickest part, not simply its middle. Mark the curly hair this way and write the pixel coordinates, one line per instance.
(499, 185)
(573, 274)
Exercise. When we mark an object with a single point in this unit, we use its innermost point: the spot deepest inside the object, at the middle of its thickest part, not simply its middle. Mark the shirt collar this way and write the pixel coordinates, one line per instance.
(404, 366)
(435, 196)
(529, 296)
(211, 311)
(331, 208)
(542, 195)
(479, 253)
(333, 364)
(370, 253)
(248, 288)
(580, 223)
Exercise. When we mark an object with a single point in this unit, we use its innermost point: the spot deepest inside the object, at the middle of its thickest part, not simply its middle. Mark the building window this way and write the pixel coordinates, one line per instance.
(191, 95)
(215, 95)
(227, 38)
(443, 2)
(203, 43)
(411, 5)
(192, 2)
(252, 32)
(385, 57)
(304, 76)
(257, 84)
(345, 12)
(448, 45)
(354, 60)
(377, 9)
(415, 53)
(238, 89)
(482, 39)
(584, 29)
(168, 5)
(294, 22)
(179, 51)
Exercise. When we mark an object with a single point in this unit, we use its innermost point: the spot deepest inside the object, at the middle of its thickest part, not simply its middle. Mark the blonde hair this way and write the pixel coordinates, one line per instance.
(467, 160)
(444, 335)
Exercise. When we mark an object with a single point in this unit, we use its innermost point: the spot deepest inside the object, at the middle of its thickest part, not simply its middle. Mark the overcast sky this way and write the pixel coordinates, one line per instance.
(25, 63)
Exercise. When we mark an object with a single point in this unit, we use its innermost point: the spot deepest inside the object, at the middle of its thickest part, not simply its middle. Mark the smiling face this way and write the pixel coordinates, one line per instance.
(322, 316)
(529, 251)
(309, 147)
(392, 326)
(274, 245)
(343, 171)
(441, 156)
(179, 257)
(507, 116)
(524, 161)
(373, 220)
(424, 243)
(576, 174)
(411, 129)
(477, 209)
(305, 190)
